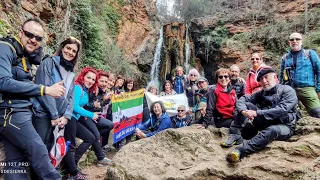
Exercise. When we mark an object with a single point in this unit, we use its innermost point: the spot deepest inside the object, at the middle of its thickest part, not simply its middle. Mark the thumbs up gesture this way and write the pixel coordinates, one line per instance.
(57, 90)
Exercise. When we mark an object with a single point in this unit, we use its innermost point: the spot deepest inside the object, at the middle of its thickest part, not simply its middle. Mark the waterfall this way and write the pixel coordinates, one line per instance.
(156, 62)
(168, 9)
(187, 49)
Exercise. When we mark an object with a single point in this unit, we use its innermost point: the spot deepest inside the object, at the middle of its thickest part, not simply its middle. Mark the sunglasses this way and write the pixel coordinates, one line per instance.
(252, 59)
(75, 39)
(31, 36)
(295, 39)
(193, 75)
(180, 110)
(225, 76)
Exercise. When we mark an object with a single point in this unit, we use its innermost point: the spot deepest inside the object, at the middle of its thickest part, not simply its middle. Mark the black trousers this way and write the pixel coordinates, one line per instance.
(23, 145)
(104, 126)
(263, 130)
(75, 129)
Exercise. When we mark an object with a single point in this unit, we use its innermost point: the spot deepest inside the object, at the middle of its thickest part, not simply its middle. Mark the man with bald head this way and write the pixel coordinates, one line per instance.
(237, 83)
(300, 68)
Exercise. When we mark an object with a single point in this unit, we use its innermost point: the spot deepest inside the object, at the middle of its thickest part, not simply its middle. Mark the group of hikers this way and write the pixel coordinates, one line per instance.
(260, 108)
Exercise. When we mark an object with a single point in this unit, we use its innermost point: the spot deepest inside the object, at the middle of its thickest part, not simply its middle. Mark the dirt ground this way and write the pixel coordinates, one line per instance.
(98, 173)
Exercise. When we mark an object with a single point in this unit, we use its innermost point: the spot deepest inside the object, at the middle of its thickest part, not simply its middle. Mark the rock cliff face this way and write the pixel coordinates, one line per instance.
(191, 153)
(16, 12)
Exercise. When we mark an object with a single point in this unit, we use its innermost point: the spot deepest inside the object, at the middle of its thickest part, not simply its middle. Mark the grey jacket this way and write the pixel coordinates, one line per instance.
(48, 73)
(277, 105)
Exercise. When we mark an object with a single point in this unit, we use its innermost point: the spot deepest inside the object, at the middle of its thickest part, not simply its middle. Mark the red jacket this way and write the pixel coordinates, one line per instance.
(252, 85)
(225, 101)
(220, 103)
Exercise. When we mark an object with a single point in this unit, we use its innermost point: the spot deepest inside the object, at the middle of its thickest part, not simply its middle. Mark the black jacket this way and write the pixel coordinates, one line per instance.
(238, 87)
(16, 84)
(191, 93)
(277, 105)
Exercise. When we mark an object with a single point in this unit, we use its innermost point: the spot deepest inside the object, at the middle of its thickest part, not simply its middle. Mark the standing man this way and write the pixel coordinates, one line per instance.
(272, 111)
(300, 68)
(237, 83)
(21, 142)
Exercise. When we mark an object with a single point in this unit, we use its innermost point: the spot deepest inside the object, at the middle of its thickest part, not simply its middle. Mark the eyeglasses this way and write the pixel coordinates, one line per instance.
(295, 39)
(193, 75)
(225, 76)
(31, 36)
(252, 59)
(180, 110)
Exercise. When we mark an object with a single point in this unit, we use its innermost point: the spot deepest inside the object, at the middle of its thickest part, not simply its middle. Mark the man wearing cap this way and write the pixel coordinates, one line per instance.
(200, 113)
(272, 111)
(300, 68)
(182, 118)
(201, 94)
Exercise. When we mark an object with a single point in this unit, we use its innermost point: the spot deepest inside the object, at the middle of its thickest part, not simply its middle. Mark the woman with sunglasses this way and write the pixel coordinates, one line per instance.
(192, 87)
(51, 111)
(252, 85)
(221, 101)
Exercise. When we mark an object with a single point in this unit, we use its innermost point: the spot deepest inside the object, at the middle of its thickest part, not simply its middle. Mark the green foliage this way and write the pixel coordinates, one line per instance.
(273, 36)
(108, 13)
(88, 27)
(215, 37)
(312, 41)
(4, 27)
(111, 17)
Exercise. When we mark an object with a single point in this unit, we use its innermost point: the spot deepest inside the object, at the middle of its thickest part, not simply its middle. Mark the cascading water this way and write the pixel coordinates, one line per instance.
(156, 62)
(168, 9)
(187, 49)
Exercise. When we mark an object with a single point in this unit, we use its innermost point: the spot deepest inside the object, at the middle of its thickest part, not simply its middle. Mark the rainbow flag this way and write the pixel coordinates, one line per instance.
(127, 110)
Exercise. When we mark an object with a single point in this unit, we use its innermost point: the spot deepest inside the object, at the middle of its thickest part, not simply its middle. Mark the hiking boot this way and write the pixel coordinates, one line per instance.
(79, 176)
(104, 162)
(106, 148)
(234, 156)
(233, 139)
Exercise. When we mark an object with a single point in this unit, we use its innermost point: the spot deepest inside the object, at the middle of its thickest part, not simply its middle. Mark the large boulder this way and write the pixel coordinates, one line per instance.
(191, 153)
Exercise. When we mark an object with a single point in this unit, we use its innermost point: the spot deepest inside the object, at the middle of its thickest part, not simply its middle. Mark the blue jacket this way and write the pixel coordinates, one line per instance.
(179, 84)
(15, 82)
(181, 122)
(156, 125)
(81, 98)
(307, 69)
(48, 73)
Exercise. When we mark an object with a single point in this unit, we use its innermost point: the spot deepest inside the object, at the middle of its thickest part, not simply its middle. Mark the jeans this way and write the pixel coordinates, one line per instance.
(22, 144)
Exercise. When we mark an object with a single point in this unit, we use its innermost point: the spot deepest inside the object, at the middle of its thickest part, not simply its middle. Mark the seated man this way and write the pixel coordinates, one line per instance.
(181, 119)
(200, 113)
(201, 94)
(272, 111)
